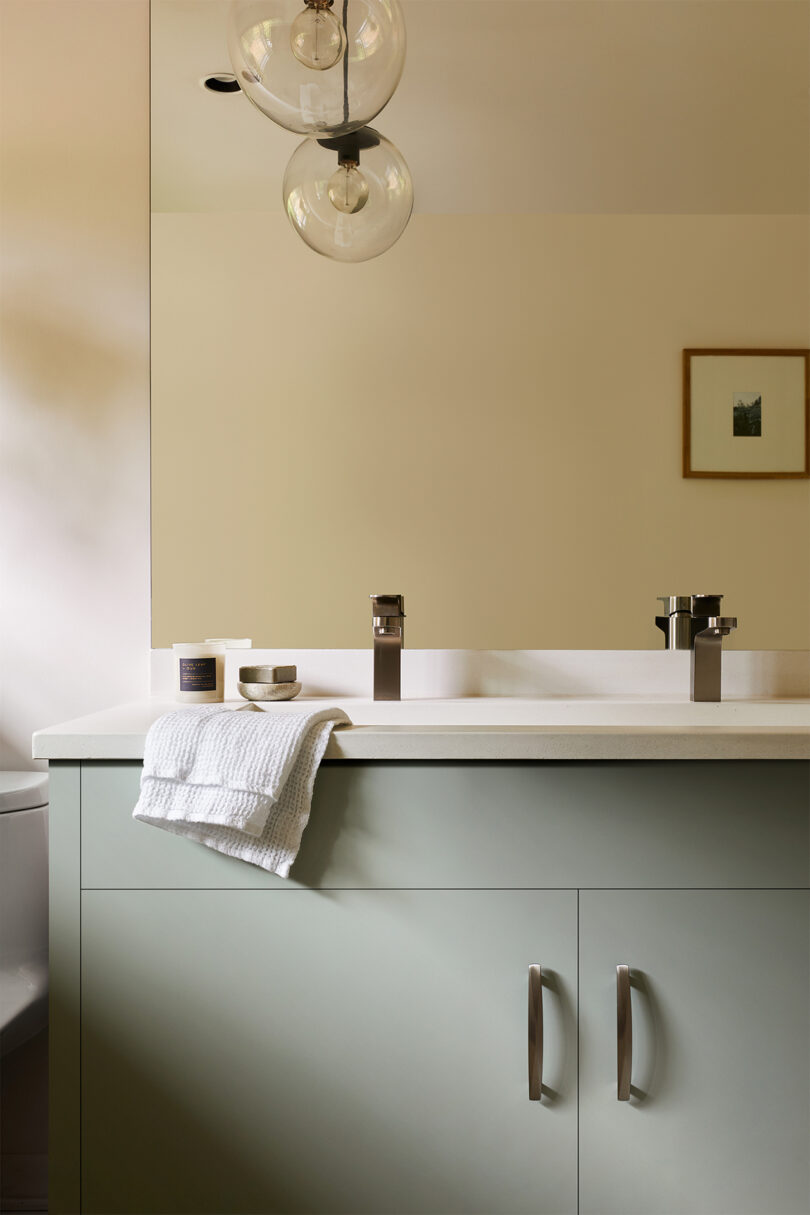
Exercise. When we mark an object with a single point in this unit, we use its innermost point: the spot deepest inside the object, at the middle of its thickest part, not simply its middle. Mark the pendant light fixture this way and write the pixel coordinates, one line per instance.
(349, 198)
(317, 67)
(347, 190)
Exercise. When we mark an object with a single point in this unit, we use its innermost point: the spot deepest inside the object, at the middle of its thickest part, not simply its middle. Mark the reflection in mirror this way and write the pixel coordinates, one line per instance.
(488, 416)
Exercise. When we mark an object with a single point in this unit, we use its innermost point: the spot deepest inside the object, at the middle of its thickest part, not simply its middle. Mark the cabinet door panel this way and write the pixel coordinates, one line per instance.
(718, 1119)
(361, 1051)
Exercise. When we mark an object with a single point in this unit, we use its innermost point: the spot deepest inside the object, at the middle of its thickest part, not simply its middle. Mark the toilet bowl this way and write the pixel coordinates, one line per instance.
(23, 907)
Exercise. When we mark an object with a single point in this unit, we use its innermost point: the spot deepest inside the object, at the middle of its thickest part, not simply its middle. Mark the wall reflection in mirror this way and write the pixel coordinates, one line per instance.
(487, 417)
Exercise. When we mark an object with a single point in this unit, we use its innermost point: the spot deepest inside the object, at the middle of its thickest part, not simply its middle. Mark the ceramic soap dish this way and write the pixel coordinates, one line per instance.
(268, 683)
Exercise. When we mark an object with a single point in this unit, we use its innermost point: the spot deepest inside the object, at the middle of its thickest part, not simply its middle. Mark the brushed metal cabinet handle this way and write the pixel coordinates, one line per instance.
(535, 1033)
(624, 1031)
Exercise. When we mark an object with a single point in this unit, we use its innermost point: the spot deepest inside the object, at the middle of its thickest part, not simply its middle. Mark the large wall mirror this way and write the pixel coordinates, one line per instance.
(486, 418)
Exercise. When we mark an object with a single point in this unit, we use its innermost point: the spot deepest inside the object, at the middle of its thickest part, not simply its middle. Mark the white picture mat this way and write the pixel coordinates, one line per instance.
(714, 381)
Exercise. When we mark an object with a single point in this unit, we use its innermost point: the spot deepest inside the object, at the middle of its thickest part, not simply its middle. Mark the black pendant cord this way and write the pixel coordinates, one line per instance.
(346, 61)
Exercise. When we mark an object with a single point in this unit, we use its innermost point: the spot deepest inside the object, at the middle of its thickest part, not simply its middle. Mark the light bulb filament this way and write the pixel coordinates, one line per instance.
(348, 188)
(317, 37)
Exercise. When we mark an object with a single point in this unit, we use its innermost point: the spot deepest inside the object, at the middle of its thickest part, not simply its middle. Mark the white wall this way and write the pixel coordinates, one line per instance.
(74, 364)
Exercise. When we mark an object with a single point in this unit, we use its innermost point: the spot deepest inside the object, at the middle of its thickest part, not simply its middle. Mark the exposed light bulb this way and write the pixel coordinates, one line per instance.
(348, 189)
(363, 68)
(322, 199)
(316, 37)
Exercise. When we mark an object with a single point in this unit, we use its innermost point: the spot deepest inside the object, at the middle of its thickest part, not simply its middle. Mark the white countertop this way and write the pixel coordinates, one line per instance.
(492, 728)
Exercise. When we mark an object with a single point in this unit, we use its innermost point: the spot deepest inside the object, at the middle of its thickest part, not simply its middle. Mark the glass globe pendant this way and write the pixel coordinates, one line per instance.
(317, 67)
(350, 198)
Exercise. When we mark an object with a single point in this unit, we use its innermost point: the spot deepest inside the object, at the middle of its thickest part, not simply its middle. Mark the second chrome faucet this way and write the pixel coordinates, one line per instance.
(693, 622)
(388, 621)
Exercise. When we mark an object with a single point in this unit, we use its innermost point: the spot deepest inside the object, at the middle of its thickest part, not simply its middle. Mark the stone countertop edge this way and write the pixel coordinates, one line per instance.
(119, 734)
(494, 743)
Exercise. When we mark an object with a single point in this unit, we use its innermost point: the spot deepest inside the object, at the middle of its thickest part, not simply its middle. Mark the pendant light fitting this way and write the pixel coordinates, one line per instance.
(349, 147)
(312, 99)
(349, 198)
(285, 61)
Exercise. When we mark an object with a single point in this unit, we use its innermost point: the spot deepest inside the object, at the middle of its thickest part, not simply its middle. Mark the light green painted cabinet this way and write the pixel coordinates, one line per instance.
(355, 1040)
(351, 1051)
(720, 991)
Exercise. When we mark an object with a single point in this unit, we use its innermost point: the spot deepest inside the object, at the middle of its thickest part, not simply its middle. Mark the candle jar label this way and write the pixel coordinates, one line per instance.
(198, 674)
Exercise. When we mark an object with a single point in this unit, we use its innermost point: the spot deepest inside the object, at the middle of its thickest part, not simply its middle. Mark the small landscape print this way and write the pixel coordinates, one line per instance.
(747, 414)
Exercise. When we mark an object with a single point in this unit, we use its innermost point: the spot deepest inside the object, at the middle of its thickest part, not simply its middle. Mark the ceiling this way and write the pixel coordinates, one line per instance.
(527, 106)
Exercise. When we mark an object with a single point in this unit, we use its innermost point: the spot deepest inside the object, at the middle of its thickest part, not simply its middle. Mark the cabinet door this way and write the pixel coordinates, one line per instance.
(337, 1051)
(717, 1122)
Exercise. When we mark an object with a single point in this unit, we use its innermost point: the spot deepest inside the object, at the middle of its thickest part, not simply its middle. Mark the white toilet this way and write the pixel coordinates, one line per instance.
(23, 990)
(23, 906)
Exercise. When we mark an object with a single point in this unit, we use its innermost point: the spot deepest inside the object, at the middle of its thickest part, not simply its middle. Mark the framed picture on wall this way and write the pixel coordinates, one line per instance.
(746, 413)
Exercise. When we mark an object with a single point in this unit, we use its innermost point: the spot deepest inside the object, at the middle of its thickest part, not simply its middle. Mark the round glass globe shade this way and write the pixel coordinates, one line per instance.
(348, 236)
(329, 102)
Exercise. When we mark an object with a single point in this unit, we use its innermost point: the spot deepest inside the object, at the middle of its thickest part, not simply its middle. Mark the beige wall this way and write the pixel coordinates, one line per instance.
(487, 418)
(74, 473)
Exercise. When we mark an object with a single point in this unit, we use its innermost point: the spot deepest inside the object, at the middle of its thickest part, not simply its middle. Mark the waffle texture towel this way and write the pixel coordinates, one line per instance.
(239, 781)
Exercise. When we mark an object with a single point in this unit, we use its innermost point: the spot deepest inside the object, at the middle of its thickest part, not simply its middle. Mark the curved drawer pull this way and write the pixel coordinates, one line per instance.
(535, 1033)
(624, 1031)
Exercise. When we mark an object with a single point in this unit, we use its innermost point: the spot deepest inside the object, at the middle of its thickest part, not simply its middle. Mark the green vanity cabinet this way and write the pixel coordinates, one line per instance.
(718, 1115)
(355, 1040)
(350, 1051)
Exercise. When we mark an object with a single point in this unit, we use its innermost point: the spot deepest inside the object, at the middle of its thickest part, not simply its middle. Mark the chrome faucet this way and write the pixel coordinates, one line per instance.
(693, 622)
(388, 620)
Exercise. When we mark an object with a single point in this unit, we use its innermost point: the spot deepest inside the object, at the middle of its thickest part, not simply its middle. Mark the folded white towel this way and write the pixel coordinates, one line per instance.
(235, 780)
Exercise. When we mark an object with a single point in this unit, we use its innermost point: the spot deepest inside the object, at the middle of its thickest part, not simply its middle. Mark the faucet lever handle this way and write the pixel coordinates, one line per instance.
(387, 605)
(719, 626)
(706, 605)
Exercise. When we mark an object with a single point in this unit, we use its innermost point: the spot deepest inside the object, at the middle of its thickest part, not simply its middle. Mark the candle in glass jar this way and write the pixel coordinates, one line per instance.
(199, 672)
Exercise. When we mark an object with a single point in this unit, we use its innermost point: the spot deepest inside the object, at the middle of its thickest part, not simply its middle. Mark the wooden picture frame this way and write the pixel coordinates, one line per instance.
(758, 427)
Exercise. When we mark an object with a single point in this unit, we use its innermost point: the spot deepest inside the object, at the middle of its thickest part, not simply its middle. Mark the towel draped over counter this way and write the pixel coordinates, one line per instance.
(239, 781)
